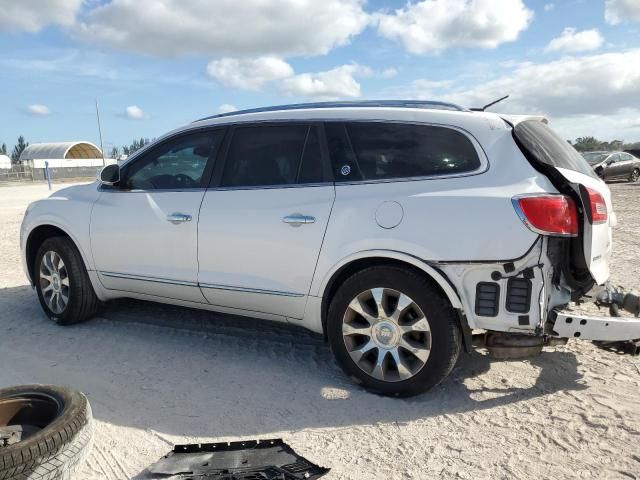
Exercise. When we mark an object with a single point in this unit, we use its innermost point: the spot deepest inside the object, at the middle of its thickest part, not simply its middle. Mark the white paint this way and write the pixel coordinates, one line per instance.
(238, 243)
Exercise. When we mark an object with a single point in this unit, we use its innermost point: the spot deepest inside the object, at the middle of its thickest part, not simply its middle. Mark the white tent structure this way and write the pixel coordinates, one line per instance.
(5, 162)
(62, 155)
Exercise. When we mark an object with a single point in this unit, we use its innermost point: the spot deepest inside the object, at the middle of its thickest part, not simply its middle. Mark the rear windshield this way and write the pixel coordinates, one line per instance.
(547, 147)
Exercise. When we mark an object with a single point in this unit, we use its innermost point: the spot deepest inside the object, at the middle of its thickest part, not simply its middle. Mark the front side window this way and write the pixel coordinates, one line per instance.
(272, 155)
(175, 164)
(379, 151)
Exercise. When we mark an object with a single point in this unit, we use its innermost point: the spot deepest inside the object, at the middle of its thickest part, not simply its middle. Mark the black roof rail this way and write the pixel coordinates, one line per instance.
(346, 104)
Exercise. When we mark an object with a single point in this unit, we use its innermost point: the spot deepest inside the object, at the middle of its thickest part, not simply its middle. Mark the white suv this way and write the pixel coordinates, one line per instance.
(393, 228)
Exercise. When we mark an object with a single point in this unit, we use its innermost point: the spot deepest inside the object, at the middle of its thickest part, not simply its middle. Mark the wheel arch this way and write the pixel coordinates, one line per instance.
(37, 236)
(357, 262)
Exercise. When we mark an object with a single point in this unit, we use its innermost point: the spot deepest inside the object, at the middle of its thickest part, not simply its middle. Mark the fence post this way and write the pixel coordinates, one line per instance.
(46, 172)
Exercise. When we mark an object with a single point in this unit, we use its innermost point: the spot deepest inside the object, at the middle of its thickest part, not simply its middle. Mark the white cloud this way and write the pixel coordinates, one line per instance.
(227, 108)
(225, 27)
(134, 112)
(33, 15)
(259, 73)
(549, 6)
(336, 83)
(599, 84)
(431, 26)
(248, 73)
(620, 11)
(582, 95)
(38, 109)
(573, 41)
(389, 72)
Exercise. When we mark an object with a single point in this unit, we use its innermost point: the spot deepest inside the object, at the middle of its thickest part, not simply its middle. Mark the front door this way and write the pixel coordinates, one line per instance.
(144, 230)
(613, 169)
(263, 221)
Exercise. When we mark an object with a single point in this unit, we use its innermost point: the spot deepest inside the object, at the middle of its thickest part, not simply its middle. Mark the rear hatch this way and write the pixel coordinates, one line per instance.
(571, 175)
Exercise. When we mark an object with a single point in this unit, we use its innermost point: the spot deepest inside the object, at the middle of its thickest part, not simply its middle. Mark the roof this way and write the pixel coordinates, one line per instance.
(362, 103)
(5, 162)
(65, 150)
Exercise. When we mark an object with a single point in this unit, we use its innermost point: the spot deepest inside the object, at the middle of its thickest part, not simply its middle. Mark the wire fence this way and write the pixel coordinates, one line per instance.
(17, 173)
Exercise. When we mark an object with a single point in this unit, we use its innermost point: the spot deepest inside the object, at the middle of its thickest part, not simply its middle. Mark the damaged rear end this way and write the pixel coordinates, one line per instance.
(576, 225)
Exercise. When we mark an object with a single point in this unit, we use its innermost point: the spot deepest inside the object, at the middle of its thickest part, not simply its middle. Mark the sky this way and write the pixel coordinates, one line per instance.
(154, 65)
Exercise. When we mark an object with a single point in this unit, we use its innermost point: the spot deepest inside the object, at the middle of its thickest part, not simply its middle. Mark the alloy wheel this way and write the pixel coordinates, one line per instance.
(386, 334)
(54, 282)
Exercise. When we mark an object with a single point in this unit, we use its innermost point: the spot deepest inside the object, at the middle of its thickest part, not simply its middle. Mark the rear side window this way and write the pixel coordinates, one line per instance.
(547, 147)
(273, 155)
(379, 151)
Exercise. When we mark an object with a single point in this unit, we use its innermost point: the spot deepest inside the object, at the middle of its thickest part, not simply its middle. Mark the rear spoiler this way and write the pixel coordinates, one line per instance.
(515, 119)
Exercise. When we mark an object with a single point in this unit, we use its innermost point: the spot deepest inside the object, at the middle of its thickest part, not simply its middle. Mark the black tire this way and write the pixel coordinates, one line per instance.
(56, 450)
(635, 175)
(446, 339)
(83, 303)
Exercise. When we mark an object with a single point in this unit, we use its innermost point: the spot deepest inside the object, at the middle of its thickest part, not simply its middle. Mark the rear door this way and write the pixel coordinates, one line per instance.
(263, 219)
(567, 169)
(626, 165)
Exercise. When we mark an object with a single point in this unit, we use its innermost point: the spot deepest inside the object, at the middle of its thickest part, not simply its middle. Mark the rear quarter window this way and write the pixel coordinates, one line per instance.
(380, 151)
(537, 140)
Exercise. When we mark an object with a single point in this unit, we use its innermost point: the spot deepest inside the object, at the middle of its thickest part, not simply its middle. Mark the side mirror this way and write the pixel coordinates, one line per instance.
(609, 161)
(109, 175)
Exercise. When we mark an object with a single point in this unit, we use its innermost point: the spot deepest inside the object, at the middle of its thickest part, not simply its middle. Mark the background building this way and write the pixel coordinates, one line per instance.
(65, 159)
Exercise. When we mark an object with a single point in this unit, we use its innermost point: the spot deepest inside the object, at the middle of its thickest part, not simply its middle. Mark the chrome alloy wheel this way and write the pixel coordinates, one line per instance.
(386, 334)
(54, 282)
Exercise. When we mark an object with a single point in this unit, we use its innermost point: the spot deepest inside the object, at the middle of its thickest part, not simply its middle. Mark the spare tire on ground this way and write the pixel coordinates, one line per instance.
(45, 432)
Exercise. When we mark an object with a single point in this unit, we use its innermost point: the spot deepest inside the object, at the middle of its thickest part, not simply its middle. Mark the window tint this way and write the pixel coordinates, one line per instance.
(343, 160)
(177, 163)
(393, 150)
(547, 147)
(625, 157)
(311, 170)
(273, 155)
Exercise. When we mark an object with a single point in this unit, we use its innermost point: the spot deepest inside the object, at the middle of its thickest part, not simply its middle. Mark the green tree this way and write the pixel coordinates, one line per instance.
(585, 144)
(114, 152)
(3, 149)
(18, 148)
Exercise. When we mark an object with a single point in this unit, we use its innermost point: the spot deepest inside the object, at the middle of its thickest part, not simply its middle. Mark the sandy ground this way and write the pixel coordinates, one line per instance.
(157, 375)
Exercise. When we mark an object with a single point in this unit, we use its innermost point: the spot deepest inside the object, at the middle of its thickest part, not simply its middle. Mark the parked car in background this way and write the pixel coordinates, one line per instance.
(393, 228)
(614, 165)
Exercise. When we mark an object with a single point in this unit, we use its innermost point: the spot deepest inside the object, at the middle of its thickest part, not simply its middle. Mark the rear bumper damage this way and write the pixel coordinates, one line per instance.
(609, 331)
(605, 328)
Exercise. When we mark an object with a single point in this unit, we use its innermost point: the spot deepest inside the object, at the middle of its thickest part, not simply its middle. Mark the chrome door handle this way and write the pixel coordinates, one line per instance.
(297, 219)
(176, 218)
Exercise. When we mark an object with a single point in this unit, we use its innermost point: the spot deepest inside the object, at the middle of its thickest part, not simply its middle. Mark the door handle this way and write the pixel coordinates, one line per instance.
(297, 219)
(177, 218)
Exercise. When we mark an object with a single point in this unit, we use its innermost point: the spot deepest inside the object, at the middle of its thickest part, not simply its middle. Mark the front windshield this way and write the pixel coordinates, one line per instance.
(594, 157)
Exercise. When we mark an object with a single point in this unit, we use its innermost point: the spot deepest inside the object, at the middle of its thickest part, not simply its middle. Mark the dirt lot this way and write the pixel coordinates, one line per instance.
(157, 375)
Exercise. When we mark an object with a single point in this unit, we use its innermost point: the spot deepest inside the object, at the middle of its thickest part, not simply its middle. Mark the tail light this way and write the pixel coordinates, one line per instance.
(548, 214)
(598, 206)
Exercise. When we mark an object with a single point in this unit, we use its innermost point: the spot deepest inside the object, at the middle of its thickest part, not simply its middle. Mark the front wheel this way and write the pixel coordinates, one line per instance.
(64, 289)
(392, 331)
(635, 175)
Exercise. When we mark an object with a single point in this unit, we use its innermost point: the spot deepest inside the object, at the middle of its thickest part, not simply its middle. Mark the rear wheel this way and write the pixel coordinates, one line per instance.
(392, 331)
(635, 175)
(64, 289)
